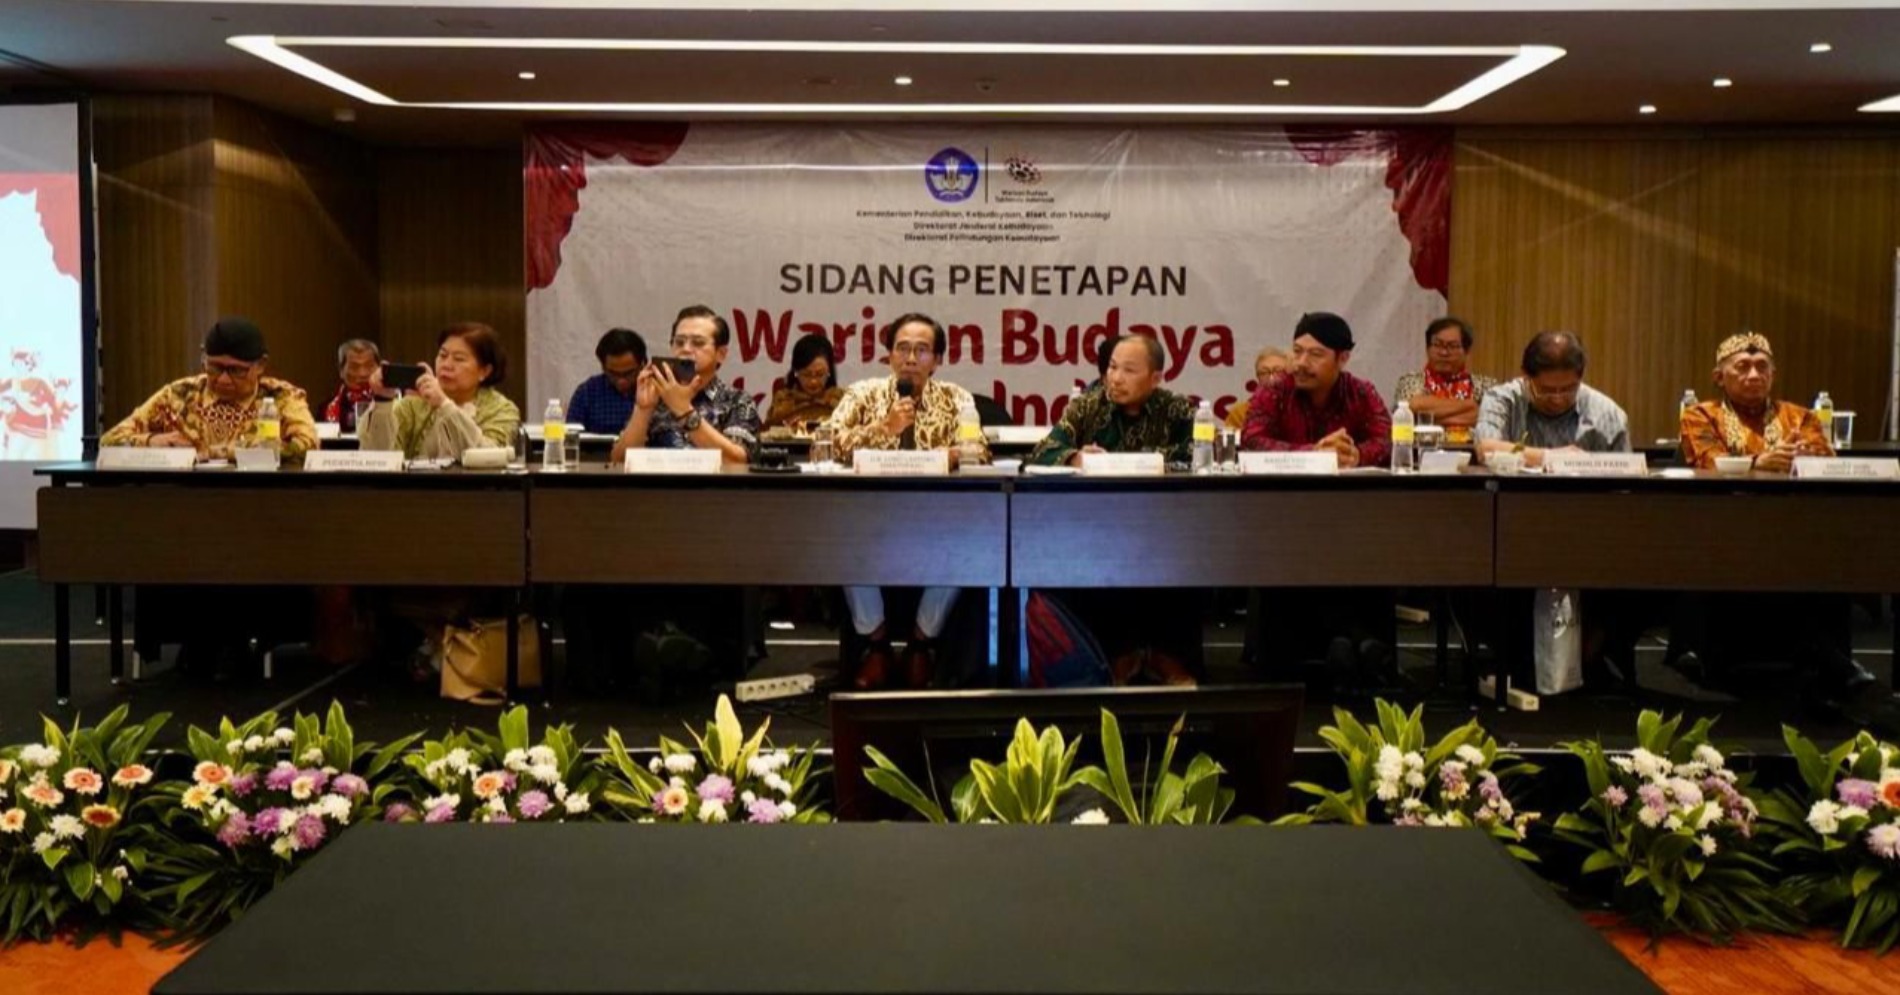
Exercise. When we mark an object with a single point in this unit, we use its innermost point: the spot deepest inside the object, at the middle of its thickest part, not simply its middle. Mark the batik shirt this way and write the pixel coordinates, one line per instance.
(1467, 386)
(858, 422)
(793, 407)
(1715, 428)
(1165, 425)
(730, 411)
(216, 427)
(1281, 416)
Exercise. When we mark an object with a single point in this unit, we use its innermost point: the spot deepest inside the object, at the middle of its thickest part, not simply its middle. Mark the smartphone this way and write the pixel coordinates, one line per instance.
(401, 376)
(683, 369)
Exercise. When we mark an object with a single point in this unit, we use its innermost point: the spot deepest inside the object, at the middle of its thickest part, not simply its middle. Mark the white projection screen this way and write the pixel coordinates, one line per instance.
(46, 300)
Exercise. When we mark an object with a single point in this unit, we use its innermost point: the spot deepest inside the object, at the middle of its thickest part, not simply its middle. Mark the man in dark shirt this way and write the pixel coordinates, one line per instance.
(603, 403)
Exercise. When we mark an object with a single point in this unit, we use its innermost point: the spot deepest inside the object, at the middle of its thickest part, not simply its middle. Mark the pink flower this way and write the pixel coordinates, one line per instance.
(132, 775)
(84, 781)
(1884, 841)
(1616, 796)
(533, 804)
(43, 794)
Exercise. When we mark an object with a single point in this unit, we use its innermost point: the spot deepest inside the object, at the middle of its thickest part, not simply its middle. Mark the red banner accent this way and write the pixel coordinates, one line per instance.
(555, 170)
(58, 204)
(1418, 172)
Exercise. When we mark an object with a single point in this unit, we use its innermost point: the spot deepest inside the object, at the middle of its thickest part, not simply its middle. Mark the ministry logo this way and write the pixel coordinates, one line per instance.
(951, 175)
(1023, 170)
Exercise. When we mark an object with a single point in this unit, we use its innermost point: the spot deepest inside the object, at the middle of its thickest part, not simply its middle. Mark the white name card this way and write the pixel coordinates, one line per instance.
(1440, 463)
(673, 461)
(353, 461)
(1596, 464)
(901, 462)
(257, 459)
(329, 430)
(146, 458)
(1321, 462)
(1122, 465)
(1846, 468)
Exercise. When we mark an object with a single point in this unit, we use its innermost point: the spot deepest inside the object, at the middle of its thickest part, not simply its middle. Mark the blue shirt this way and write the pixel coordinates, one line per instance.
(599, 407)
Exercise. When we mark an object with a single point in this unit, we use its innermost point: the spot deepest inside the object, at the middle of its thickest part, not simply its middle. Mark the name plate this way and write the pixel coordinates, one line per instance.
(329, 430)
(1596, 464)
(901, 462)
(357, 461)
(257, 459)
(1122, 465)
(1846, 468)
(1439, 463)
(1319, 462)
(673, 461)
(146, 458)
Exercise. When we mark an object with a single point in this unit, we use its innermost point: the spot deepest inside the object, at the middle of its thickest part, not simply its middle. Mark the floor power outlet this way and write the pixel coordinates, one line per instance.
(788, 686)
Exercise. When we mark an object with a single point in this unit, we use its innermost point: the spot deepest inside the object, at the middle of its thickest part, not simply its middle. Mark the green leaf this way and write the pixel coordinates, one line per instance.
(52, 855)
(884, 776)
(1116, 763)
(189, 886)
(1864, 879)
(80, 878)
(731, 733)
(1602, 860)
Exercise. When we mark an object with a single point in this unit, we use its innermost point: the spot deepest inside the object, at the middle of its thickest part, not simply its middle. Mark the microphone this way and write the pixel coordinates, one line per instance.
(909, 439)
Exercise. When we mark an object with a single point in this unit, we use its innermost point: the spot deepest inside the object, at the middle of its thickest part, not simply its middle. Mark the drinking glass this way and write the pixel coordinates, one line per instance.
(571, 447)
(820, 455)
(1227, 451)
(1843, 431)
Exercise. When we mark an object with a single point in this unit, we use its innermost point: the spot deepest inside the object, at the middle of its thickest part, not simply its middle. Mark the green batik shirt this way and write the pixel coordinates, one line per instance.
(1165, 425)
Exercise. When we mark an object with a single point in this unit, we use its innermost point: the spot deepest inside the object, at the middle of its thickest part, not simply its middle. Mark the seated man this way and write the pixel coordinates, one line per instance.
(356, 362)
(1316, 404)
(877, 414)
(1156, 631)
(1746, 420)
(1265, 365)
(703, 413)
(1550, 407)
(216, 411)
(603, 403)
(1446, 390)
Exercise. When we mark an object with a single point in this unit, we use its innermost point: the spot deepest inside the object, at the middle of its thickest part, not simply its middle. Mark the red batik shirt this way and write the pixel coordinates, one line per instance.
(1281, 417)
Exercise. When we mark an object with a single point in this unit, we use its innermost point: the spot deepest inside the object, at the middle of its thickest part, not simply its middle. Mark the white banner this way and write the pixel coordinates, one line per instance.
(1031, 244)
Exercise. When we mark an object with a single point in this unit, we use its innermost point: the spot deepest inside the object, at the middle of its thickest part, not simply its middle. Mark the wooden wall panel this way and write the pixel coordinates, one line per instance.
(296, 239)
(157, 265)
(451, 244)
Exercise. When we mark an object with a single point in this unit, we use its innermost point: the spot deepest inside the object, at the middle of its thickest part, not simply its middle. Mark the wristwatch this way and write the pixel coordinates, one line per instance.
(691, 422)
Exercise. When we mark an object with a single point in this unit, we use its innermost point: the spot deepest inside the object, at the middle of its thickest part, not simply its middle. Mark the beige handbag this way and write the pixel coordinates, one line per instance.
(475, 660)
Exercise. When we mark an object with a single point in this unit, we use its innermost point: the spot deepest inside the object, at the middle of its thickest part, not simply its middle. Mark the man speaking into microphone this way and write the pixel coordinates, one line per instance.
(910, 409)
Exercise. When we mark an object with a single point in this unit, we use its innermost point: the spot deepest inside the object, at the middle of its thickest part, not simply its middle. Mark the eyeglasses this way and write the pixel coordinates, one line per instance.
(620, 376)
(233, 371)
(1455, 345)
(693, 342)
(911, 350)
(1539, 392)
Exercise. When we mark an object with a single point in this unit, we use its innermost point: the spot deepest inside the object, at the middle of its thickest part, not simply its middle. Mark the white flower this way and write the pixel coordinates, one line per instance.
(778, 784)
(121, 872)
(541, 756)
(560, 792)
(1693, 768)
(1411, 805)
(313, 755)
(676, 782)
(303, 787)
(36, 755)
(198, 796)
(284, 736)
(1415, 779)
(1711, 815)
(283, 846)
(67, 827)
(457, 760)
(1391, 763)
(747, 797)
(1388, 790)
(451, 800)
(1707, 843)
(255, 743)
(336, 808)
(219, 810)
(1624, 764)
(235, 747)
(1092, 817)
(498, 806)
(1436, 821)
(1709, 755)
(786, 810)
(1686, 792)
(1649, 765)
(681, 763)
(1471, 755)
(1672, 823)
(576, 803)
(42, 842)
(515, 760)
(434, 769)
(712, 810)
(544, 773)
(656, 765)
(1648, 816)
(759, 766)
(1852, 812)
(781, 758)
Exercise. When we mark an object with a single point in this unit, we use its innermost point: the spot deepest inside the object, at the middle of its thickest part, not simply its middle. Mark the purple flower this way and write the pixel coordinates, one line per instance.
(1452, 779)
(716, 788)
(500, 818)
(1653, 797)
(398, 812)
(349, 786)
(234, 831)
(308, 832)
(763, 810)
(280, 776)
(1616, 796)
(243, 784)
(533, 804)
(440, 813)
(1884, 840)
(268, 823)
(1854, 791)
(317, 778)
(507, 781)
(1489, 789)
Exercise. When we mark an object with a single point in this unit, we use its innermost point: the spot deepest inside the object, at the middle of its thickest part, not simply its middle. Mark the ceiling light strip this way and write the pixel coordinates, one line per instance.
(889, 47)
(266, 48)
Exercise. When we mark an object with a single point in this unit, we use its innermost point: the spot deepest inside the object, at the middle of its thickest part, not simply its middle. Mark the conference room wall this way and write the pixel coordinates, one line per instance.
(450, 229)
(1655, 245)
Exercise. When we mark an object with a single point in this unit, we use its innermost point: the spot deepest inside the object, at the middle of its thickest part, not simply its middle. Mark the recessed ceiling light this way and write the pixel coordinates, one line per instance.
(902, 81)
(1646, 109)
(525, 75)
(1282, 82)
(1723, 82)
(1820, 48)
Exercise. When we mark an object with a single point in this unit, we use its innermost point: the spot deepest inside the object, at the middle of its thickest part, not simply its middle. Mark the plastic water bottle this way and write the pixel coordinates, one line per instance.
(969, 435)
(1204, 429)
(1404, 431)
(1824, 413)
(553, 438)
(1688, 401)
(270, 430)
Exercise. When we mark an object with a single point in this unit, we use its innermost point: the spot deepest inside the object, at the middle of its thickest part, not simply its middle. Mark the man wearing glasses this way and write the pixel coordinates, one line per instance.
(1446, 391)
(1550, 407)
(216, 411)
(603, 403)
(703, 412)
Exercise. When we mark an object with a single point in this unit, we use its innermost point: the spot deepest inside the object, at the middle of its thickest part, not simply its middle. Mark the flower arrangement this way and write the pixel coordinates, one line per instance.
(78, 812)
(726, 776)
(1840, 838)
(262, 799)
(1458, 781)
(473, 776)
(1677, 829)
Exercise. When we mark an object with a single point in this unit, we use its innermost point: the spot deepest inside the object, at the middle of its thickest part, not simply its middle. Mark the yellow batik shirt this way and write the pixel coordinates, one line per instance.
(216, 427)
(858, 421)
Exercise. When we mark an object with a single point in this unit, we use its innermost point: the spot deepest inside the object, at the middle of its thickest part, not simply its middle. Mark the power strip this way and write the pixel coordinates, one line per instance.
(766, 688)
(1517, 698)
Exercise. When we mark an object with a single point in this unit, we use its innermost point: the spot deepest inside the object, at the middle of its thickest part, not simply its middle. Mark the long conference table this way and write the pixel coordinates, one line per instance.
(596, 525)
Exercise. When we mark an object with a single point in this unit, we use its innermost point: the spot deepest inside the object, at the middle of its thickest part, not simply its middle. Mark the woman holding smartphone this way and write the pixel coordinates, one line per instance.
(453, 406)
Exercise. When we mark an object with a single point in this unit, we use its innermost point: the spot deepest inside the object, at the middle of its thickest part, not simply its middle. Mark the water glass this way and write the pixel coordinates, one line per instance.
(1227, 451)
(571, 447)
(820, 456)
(1843, 431)
(1429, 438)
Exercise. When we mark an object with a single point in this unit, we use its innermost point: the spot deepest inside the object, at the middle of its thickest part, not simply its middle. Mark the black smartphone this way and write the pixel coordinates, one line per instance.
(683, 369)
(401, 376)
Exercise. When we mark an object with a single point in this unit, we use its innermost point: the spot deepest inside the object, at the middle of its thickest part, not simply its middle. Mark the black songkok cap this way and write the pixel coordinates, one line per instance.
(236, 338)
(1330, 329)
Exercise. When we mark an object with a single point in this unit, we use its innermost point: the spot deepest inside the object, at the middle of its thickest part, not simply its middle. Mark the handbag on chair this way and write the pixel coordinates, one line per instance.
(475, 659)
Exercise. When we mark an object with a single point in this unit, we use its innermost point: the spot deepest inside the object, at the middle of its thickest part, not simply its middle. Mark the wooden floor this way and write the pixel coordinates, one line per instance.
(1768, 966)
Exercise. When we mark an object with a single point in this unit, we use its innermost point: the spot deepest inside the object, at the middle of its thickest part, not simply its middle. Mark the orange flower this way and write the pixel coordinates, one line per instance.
(84, 781)
(212, 774)
(1890, 793)
(132, 775)
(42, 794)
(12, 820)
(489, 785)
(100, 816)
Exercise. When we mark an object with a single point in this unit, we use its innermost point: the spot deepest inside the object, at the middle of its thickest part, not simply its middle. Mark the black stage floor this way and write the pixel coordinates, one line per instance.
(383, 703)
